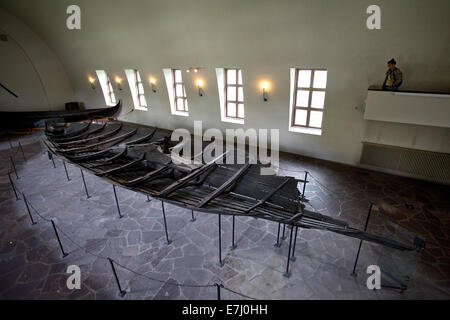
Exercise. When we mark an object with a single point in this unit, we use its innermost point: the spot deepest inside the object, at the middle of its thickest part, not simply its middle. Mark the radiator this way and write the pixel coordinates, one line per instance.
(426, 165)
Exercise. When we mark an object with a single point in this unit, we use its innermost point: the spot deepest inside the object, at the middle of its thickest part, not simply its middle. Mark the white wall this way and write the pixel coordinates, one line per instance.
(264, 38)
(30, 69)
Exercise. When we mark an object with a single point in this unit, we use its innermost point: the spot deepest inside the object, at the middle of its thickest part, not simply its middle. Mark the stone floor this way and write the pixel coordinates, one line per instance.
(32, 267)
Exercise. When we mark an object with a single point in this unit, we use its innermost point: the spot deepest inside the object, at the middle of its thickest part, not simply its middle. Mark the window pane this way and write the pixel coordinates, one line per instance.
(113, 99)
(240, 76)
(240, 110)
(186, 105)
(304, 78)
(231, 110)
(318, 99)
(240, 94)
(179, 90)
(178, 76)
(180, 102)
(231, 76)
(315, 119)
(140, 88)
(143, 101)
(231, 93)
(300, 117)
(302, 98)
(320, 79)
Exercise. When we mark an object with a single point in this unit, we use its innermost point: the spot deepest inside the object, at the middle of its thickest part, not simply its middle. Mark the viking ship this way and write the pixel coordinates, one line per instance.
(27, 119)
(139, 158)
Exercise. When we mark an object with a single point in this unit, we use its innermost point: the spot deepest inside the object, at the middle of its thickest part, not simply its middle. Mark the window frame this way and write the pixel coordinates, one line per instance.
(140, 95)
(176, 97)
(237, 85)
(310, 89)
(111, 95)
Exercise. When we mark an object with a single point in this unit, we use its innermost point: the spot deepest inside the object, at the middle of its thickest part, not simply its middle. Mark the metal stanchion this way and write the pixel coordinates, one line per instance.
(304, 185)
(23, 153)
(192, 216)
(59, 240)
(278, 243)
(283, 237)
(148, 199)
(287, 274)
(121, 292)
(233, 245)
(84, 183)
(65, 168)
(50, 155)
(12, 186)
(360, 241)
(218, 286)
(165, 222)
(117, 201)
(28, 209)
(220, 241)
(293, 258)
(13, 166)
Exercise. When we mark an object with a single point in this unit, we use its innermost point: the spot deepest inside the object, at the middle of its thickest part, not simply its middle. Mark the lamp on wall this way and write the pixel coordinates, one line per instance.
(265, 87)
(153, 83)
(119, 81)
(92, 82)
(200, 87)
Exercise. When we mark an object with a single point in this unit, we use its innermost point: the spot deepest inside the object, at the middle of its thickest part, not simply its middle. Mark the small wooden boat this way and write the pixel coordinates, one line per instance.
(138, 158)
(27, 119)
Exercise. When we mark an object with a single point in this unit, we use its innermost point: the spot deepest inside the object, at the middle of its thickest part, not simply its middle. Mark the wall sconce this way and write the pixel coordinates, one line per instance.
(92, 82)
(153, 83)
(265, 86)
(119, 81)
(200, 87)
(196, 69)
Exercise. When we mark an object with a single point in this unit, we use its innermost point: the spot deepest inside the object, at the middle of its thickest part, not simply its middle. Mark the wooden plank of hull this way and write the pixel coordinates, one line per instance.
(262, 201)
(143, 139)
(95, 145)
(99, 137)
(125, 166)
(62, 141)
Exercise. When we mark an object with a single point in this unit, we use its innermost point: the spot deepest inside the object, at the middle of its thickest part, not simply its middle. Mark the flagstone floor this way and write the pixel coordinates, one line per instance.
(32, 266)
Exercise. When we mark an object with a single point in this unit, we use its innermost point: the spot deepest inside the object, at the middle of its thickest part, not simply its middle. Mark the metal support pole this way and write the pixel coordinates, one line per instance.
(51, 158)
(13, 166)
(59, 240)
(278, 243)
(12, 186)
(218, 290)
(283, 237)
(23, 153)
(220, 241)
(360, 241)
(10, 144)
(165, 223)
(28, 209)
(65, 168)
(287, 274)
(148, 199)
(122, 292)
(304, 185)
(192, 215)
(293, 258)
(233, 245)
(117, 201)
(84, 183)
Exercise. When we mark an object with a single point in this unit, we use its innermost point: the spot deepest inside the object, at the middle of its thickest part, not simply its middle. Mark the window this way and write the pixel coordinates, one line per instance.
(179, 91)
(137, 89)
(234, 94)
(107, 88)
(308, 98)
(176, 91)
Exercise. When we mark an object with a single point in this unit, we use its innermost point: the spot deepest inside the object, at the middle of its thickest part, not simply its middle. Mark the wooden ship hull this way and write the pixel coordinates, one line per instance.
(138, 158)
(18, 120)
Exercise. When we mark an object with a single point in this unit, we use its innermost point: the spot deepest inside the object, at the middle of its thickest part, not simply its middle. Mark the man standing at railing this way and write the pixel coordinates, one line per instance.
(394, 76)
